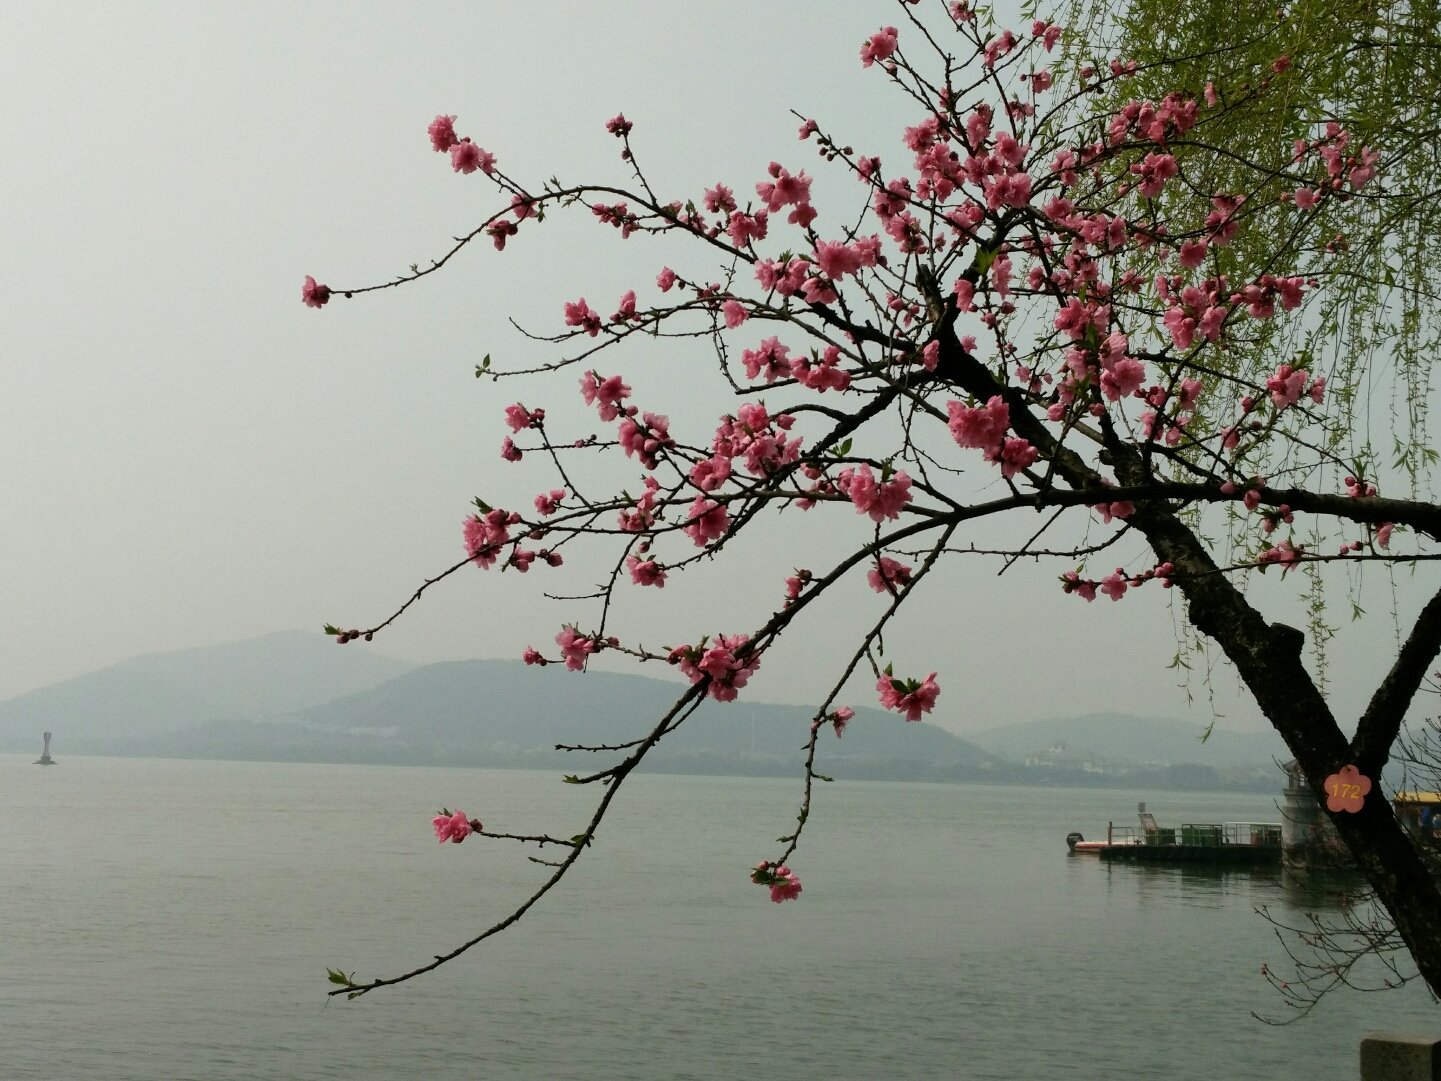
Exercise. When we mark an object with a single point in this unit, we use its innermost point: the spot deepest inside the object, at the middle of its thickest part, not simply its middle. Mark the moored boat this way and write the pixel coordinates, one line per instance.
(1239, 843)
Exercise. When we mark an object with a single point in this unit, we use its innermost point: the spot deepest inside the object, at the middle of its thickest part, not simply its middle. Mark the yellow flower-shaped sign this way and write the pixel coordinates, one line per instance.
(1346, 789)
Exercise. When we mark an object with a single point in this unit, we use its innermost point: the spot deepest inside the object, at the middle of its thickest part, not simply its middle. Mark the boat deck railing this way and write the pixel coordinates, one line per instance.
(1201, 835)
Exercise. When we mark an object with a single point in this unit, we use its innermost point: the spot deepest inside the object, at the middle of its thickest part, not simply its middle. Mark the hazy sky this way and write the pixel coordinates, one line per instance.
(192, 456)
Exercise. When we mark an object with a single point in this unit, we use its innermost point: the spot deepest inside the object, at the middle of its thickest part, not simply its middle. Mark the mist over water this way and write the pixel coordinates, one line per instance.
(171, 919)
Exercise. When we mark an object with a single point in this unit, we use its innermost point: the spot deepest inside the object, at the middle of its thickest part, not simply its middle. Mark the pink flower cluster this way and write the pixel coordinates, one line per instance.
(1285, 553)
(822, 372)
(518, 417)
(313, 293)
(706, 521)
(645, 571)
(888, 575)
(984, 427)
(605, 393)
(881, 499)
(646, 438)
(907, 696)
(465, 156)
(485, 535)
(453, 827)
(880, 46)
(728, 673)
(1115, 584)
(782, 190)
(780, 879)
(576, 648)
(1287, 384)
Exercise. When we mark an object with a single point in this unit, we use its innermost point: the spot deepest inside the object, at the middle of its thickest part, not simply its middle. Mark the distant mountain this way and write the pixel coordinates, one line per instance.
(148, 696)
(505, 713)
(1122, 738)
(284, 672)
(297, 697)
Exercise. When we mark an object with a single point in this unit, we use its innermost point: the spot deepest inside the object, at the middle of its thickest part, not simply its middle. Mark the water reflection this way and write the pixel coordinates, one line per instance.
(1209, 885)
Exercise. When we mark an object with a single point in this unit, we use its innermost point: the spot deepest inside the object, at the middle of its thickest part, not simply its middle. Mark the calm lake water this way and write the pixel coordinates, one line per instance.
(167, 919)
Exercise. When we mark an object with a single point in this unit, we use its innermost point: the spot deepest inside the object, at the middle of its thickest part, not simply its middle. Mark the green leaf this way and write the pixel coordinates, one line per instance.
(580, 839)
(332, 631)
(572, 778)
(334, 975)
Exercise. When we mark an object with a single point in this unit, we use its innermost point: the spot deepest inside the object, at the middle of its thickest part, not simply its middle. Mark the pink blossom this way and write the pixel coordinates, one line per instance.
(1114, 584)
(467, 157)
(1016, 454)
(836, 259)
(1193, 253)
(1284, 553)
(786, 887)
(879, 46)
(735, 313)
(531, 655)
(1123, 378)
(840, 718)
(580, 314)
(606, 393)
(981, 427)
(645, 572)
(1287, 385)
(781, 880)
(879, 499)
(452, 827)
(771, 360)
(888, 575)
(784, 189)
(1365, 168)
(1072, 582)
(719, 199)
(313, 293)
(743, 228)
(706, 522)
(665, 279)
(575, 647)
(727, 672)
(708, 474)
(499, 231)
(1211, 322)
(998, 47)
(442, 133)
(821, 373)
(646, 438)
(1383, 534)
(1154, 171)
(484, 536)
(548, 503)
(518, 417)
(907, 696)
(619, 126)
